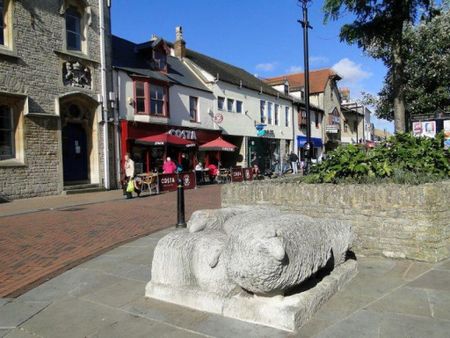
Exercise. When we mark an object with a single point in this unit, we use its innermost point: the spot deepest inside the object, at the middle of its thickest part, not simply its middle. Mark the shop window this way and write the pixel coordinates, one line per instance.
(6, 40)
(238, 106)
(262, 113)
(220, 103)
(73, 28)
(193, 108)
(230, 105)
(150, 99)
(286, 116)
(269, 112)
(345, 126)
(276, 114)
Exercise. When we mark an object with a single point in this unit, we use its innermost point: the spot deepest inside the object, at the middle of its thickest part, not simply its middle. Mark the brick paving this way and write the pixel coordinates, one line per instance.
(36, 246)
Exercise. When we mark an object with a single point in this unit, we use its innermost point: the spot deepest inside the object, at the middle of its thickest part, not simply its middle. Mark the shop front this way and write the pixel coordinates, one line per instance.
(149, 156)
(263, 152)
(317, 147)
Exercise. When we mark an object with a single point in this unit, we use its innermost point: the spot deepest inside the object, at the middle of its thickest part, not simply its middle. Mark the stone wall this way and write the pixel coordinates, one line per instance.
(34, 69)
(398, 221)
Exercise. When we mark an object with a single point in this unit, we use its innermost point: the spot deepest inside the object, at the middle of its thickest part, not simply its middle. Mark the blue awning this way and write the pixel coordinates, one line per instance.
(317, 142)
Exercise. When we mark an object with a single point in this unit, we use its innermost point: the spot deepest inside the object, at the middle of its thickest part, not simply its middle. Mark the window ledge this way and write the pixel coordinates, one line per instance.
(81, 56)
(8, 52)
(13, 162)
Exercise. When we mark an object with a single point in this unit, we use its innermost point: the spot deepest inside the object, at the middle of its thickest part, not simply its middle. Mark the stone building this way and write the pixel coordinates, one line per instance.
(54, 100)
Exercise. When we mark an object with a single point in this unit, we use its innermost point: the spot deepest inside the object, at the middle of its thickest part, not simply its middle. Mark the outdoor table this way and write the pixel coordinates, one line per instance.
(224, 176)
(202, 176)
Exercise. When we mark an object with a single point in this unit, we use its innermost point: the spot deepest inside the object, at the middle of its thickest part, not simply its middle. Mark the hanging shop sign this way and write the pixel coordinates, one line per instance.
(186, 134)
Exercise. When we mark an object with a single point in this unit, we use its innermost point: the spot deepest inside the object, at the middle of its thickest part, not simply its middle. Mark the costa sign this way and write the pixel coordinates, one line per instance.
(248, 174)
(237, 175)
(169, 182)
(186, 134)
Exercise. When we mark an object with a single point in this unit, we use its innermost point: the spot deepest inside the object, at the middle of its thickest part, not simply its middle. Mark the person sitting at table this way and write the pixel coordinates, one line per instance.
(212, 171)
(169, 167)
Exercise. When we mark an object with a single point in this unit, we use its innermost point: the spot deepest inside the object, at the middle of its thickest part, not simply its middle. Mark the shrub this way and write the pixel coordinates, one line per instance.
(402, 159)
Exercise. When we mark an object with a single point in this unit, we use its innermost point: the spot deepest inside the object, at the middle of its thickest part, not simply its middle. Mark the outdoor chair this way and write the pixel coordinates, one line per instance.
(151, 183)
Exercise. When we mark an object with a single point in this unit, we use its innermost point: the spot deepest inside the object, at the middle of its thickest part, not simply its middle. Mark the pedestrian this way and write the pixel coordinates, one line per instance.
(128, 166)
(169, 167)
(185, 163)
(293, 158)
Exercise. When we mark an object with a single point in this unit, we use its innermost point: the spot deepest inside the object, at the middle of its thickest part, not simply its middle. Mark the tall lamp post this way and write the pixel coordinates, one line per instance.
(308, 145)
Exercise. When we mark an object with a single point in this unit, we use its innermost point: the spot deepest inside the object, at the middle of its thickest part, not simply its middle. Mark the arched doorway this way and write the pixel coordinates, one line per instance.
(75, 145)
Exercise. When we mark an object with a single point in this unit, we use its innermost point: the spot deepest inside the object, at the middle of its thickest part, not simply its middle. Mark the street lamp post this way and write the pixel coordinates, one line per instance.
(308, 145)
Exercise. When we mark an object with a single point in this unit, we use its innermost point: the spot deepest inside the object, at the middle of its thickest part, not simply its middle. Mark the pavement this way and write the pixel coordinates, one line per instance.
(42, 237)
(104, 297)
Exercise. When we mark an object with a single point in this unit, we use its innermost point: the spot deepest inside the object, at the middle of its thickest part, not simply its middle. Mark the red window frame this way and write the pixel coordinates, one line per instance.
(147, 85)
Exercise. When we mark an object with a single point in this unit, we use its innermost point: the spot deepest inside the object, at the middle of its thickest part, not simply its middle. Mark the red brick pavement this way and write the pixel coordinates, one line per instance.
(36, 246)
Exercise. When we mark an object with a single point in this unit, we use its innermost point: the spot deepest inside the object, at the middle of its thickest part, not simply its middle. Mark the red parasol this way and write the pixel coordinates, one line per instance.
(219, 144)
(165, 139)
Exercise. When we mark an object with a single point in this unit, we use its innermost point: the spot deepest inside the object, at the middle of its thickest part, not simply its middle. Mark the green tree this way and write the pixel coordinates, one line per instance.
(379, 29)
(427, 69)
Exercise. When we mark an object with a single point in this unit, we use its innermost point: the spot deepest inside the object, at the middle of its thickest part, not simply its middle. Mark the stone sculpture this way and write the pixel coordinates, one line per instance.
(227, 257)
(261, 250)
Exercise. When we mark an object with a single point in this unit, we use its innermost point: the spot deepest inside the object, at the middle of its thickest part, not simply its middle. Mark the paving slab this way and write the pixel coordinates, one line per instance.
(439, 303)
(15, 313)
(405, 300)
(433, 279)
(4, 332)
(19, 333)
(4, 301)
(445, 265)
(73, 317)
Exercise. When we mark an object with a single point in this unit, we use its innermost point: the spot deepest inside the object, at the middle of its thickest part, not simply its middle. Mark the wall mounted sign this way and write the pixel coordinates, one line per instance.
(218, 118)
(447, 134)
(186, 134)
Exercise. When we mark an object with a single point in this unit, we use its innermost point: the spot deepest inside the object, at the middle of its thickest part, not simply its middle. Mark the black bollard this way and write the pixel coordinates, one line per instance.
(181, 223)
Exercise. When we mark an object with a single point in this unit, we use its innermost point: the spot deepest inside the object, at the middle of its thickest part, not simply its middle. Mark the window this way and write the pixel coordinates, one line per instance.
(269, 112)
(317, 121)
(2, 25)
(345, 126)
(160, 60)
(230, 104)
(193, 108)
(140, 97)
(150, 99)
(238, 106)
(261, 110)
(157, 97)
(6, 133)
(276, 116)
(286, 116)
(73, 29)
(220, 103)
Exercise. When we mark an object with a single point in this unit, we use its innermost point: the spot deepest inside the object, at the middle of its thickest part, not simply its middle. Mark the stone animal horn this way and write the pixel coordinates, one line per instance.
(275, 248)
(213, 260)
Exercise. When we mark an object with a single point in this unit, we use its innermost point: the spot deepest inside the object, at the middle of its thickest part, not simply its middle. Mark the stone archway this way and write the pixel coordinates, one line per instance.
(79, 139)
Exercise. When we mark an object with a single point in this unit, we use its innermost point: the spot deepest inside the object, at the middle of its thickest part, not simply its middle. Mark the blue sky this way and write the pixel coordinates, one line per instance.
(261, 36)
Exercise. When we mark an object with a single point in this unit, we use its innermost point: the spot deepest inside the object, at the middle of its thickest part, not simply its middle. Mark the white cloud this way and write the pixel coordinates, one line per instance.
(318, 60)
(350, 71)
(266, 67)
(295, 69)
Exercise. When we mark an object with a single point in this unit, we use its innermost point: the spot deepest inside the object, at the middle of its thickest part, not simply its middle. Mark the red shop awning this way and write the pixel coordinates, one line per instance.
(165, 139)
(219, 144)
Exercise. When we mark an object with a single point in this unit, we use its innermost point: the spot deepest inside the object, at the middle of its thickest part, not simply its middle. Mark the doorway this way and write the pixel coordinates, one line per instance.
(75, 153)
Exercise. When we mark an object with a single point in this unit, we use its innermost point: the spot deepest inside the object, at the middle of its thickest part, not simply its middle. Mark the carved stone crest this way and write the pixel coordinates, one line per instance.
(76, 75)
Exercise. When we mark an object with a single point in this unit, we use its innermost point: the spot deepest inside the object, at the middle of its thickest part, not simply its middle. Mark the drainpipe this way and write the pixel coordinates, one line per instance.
(117, 89)
(104, 94)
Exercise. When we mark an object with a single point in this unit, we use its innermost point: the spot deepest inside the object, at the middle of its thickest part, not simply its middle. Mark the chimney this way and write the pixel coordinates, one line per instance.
(180, 45)
(345, 95)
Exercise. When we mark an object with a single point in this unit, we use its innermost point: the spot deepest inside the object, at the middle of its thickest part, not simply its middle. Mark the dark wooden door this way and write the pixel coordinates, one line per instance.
(75, 156)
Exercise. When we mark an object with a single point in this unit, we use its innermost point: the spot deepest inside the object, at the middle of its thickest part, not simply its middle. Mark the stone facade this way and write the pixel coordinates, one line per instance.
(33, 71)
(396, 221)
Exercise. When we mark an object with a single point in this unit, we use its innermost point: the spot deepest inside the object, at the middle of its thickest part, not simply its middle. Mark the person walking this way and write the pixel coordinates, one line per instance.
(293, 158)
(128, 167)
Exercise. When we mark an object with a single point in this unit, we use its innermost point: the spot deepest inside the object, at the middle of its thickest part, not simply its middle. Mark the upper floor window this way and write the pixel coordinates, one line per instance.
(160, 60)
(317, 119)
(6, 36)
(286, 116)
(269, 112)
(238, 106)
(150, 99)
(262, 111)
(157, 100)
(6, 133)
(220, 103)
(230, 105)
(276, 116)
(193, 108)
(73, 29)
